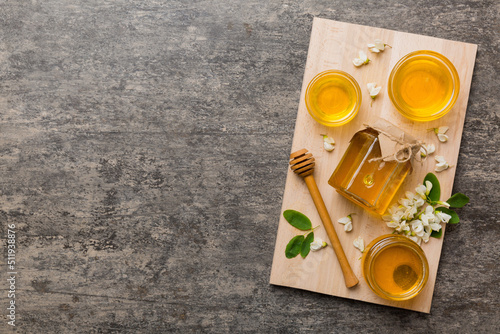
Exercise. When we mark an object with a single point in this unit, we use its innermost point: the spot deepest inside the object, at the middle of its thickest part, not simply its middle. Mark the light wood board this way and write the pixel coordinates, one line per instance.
(333, 45)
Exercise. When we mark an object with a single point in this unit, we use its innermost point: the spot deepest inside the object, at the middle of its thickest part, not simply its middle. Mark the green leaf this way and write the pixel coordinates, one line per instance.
(306, 245)
(294, 246)
(437, 234)
(435, 192)
(458, 200)
(298, 220)
(454, 217)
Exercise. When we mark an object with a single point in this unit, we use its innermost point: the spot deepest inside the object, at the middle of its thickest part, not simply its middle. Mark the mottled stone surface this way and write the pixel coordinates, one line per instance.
(143, 155)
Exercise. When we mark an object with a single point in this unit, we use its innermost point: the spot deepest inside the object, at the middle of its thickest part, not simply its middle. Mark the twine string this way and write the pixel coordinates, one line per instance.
(407, 151)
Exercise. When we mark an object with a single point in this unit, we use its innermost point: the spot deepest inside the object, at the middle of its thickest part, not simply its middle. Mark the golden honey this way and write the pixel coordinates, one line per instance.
(395, 267)
(333, 98)
(370, 184)
(423, 85)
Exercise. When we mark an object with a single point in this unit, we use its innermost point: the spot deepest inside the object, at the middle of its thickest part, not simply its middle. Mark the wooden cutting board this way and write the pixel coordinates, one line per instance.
(333, 45)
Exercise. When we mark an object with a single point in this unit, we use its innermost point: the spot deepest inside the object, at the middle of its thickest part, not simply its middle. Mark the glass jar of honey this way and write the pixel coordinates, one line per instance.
(364, 176)
(395, 267)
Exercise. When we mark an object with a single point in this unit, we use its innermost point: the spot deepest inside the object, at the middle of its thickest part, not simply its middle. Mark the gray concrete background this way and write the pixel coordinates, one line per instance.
(143, 155)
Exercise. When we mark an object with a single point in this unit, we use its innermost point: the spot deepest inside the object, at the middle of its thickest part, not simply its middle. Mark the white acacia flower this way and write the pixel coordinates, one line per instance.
(435, 226)
(407, 203)
(426, 236)
(421, 191)
(399, 227)
(362, 60)
(410, 205)
(442, 217)
(442, 138)
(428, 187)
(377, 46)
(440, 132)
(347, 222)
(373, 89)
(417, 227)
(328, 143)
(317, 244)
(359, 244)
(427, 150)
(405, 221)
(427, 217)
(441, 163)
(397, 214)
(424, 190)
(415, 238)
(415, 198)
(387, 217)
(445, 204)
(393, 224)
(410, 212)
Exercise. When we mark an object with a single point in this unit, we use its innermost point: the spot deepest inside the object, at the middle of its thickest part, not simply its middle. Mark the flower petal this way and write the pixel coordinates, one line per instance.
(329, 140)
(416, 239)
(425, 237)
(423, 152)
(430, 148)
(363, 56)
(357, 62)
(428, 187)
(328, 143)
(441, 166)
(445, 204)
(421, 191)
(348, 227)
(443, 217)
(442, 138)
(375, 91)
(344, 220)
(435, 226)
(387, 217)
(379, 45)
(328, 147)
(359, 244)
(443, 129)
(317, 244)
(392, 224)
(439, 158)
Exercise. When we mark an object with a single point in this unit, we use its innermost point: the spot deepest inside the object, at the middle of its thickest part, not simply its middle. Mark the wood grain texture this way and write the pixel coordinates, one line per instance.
(333, 45)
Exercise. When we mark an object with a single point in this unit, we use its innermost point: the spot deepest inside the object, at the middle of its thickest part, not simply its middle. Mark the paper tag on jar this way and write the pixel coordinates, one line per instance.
(395, 144)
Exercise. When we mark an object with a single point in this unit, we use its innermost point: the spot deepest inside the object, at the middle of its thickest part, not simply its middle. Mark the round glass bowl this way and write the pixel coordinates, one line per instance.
(423, 85)
(333, 98)
(395, 267)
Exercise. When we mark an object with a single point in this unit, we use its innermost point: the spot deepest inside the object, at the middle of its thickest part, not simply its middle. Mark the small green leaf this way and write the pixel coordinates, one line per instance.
(306, 245)
(454, 217)
(458, 200)
(437, 234)
(435, 192)
(298, 220)
(294, 246)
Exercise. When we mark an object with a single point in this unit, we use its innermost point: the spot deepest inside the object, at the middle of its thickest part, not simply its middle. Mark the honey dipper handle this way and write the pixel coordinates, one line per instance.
(350, 279)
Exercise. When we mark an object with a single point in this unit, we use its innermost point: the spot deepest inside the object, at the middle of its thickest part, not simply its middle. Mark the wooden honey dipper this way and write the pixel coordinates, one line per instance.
(302, 163)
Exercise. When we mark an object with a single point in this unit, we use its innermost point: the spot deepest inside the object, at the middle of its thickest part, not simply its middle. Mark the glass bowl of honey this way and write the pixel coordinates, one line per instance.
(423, 85)
(333, 98)
(395, 267)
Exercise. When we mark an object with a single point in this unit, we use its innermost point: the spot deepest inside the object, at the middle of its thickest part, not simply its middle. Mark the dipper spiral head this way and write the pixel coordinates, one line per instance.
(302, 162)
